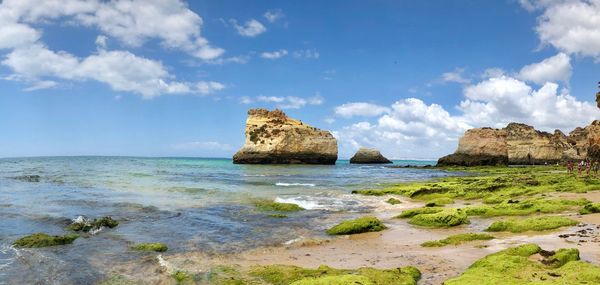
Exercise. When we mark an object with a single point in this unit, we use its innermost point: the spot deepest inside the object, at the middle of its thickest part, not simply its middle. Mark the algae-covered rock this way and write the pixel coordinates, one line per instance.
(83, 224)
(183, 278)
(393, 201)
(359, 225)
(418, 211)
(44, 240)
(285, 275)
(274, 138)
(457, 239)
(265, 205)
(151, 246)
(591, 208)
(514, 266)
(531, 224)
(439, 202)
(445, 218)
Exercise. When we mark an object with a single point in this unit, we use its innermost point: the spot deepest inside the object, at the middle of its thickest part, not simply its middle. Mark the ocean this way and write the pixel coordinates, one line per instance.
(191, 204)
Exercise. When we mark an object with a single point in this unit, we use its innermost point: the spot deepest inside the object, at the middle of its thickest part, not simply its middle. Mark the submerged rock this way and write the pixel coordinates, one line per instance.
(29, 178)
(368, 156)
(151, 246)
(83, 224)
(44, 240)
(274, 138)
(522, 144)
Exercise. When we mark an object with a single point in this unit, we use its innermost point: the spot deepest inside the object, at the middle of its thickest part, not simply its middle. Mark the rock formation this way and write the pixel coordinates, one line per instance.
(522, 144)
(274, 138)
(368, 156)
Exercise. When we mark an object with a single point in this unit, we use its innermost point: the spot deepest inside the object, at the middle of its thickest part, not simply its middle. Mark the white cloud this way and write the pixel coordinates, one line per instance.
(274, 54)
(41, 85)
(455, 76)
(553, 69)
(273, 15)
(251, 28)
(349, 110)
(571, 26)
(307, 54)
(131, 21)
(285, 102)
(410, 128)
(121, 70)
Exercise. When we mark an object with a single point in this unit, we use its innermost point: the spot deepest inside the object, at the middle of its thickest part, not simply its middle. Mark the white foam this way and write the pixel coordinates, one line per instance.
(294, 184)
(292, 241)
(327, 203)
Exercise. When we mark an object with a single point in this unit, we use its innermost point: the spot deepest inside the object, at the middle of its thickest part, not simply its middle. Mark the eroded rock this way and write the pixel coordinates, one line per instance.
(368, 156)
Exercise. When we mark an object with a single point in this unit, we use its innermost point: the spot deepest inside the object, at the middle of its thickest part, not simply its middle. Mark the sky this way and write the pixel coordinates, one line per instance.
(176, 78)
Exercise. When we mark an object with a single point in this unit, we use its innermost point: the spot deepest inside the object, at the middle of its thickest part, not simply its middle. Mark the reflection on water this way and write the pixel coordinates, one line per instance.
(189, 204)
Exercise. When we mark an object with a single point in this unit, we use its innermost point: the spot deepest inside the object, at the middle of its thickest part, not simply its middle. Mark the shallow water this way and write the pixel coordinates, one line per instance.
(188, 203)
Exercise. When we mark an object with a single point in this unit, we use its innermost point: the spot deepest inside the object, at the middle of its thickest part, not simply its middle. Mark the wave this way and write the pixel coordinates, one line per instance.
(294, 184)
(326, 203)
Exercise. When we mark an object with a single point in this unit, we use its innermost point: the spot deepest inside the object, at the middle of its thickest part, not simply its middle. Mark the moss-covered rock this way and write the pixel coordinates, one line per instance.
(439, 202)
(531, 224)
(284, 275)
(445, 218)
(514, 266)
(393, 201)
(44, 240)
(151, 246)
(183, 278)
(279, 216)
(591, 208)
(82, 224)
(265, 205)
(457, 239)
(516, 207)
(359, 225)
(418, 211)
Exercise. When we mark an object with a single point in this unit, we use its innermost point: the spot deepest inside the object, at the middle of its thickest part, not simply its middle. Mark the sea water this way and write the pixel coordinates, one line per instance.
(191, 204)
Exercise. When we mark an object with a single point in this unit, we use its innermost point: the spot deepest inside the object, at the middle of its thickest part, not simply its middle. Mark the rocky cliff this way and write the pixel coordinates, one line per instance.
(522, 144)
(368, 156)
(274, 138)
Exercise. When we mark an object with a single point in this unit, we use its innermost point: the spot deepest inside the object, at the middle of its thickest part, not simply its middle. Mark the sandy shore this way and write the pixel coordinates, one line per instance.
(397, 246)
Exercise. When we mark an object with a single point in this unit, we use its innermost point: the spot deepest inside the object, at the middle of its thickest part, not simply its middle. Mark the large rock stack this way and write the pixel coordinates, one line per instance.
(274, 138)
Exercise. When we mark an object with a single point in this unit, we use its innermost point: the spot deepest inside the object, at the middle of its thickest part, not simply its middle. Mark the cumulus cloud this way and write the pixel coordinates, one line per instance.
(273, 15)
(285, 102)
(251, 28)
(569, 25)
(130, 21)
(411, 128)
(553, 69)
(353, 109)
(274, 54)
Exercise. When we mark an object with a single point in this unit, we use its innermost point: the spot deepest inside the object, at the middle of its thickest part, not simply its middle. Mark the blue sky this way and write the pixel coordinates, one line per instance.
(171, 78)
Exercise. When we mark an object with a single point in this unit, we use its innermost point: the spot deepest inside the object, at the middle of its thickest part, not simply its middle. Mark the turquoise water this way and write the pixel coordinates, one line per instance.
(188, 203)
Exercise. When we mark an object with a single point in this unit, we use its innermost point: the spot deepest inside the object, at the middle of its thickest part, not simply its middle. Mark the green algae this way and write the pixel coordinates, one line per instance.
(183, 278)
(359, 225)
(284, 275)
(86, 225)
(393, 201)
(44, 240)
(514, 266)
(502, 183)
(531, 224)
(418, 211)
(514, 207)
(591, 208)
(457, 239)
(445, 218)
(266, 205)
(151, 246)
(439, 202)
(280, 216)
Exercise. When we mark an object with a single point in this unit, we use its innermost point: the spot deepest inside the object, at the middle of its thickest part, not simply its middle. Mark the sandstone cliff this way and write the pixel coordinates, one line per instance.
(274, 138)
(368, 156)
(522, 144)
